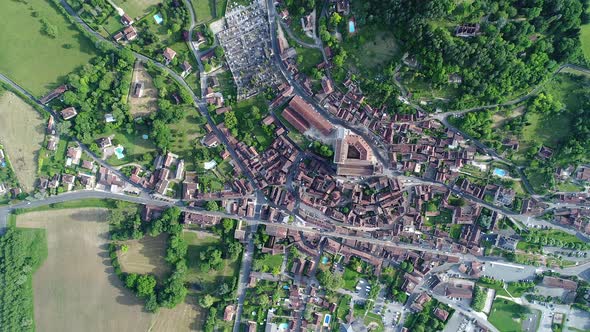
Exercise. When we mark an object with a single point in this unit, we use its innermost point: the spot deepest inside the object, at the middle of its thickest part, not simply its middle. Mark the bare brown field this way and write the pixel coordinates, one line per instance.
(76, 288)
(187, 316)
(22, 130)
(146, 255)
(148, 102)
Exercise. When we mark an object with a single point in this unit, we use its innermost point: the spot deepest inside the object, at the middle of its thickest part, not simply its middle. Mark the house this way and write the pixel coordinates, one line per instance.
(68, 181)
(137, 89)
(68, 113)
(74, 154)
(455, 78)
(186, 68)
(545, 153)
(555, 282)
(327, 85)
(467, 30)
(52, 143)
(87, 164)
(441, 314)
(118, 36)
(200, 38)
(54, 94)
(169, 55)
(130, 33)
(108, 118)
(228, 313)
(126, 20)
(459, 292)
(104, 142)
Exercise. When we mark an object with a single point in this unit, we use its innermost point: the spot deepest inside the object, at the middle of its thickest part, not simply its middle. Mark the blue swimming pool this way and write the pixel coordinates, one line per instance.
(283, 326)
(119, 152)
(499, 172)
(327, 319)
(351, 27)
(158, 18)
(325, 260)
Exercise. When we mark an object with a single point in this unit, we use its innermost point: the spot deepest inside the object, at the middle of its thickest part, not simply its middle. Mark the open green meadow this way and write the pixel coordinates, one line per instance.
(137, 8)
(208, 10)
(30, 56)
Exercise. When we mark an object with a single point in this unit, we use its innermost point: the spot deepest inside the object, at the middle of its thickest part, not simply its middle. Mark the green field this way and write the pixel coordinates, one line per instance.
(208, 10)
(31, 58)
(507, 316)
(137, 8)
(272, 261)
(585, 37)
(350, 278)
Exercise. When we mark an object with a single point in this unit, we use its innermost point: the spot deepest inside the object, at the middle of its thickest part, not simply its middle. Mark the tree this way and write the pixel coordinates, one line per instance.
(329, 280)
(206, 301)
(335, 19)
(212, 206)
(145, 285)
(130, 280)
(230, 120)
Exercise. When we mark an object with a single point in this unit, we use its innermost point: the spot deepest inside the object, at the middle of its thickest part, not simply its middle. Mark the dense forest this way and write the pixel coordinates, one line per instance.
(21, 253)
(517, 45)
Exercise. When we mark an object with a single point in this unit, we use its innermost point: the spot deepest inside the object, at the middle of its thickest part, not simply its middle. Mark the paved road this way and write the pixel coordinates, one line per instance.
(244, 276)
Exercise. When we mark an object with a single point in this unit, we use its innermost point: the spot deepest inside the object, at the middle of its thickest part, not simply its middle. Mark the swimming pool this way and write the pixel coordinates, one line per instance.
(325, 260)
(119, 152)
(499, 172)
(158, 18)
(283, 326)
(351, 27)
(327, 319)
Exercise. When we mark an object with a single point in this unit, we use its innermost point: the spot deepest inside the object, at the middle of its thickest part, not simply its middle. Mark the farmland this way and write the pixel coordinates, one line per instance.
(75, 288)
(148, 102)
(21, 133)
(32, 58)
(146, 255)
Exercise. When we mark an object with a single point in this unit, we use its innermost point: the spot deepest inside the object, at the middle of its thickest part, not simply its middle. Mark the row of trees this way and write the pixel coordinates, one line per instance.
(18, 260)
(479, 298)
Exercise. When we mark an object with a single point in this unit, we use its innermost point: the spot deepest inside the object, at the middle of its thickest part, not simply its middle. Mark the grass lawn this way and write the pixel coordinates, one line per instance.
(146, 255)
(83, 203)
(200, 241)
(504, 315)
(31, 58)
(22, 129)
(548, 131)
(569, 187)
(137, 8)
(186, 133)
(350, 278)
(455, 231)
(585, 38)
(135, 146)
(310, 57)
(445, 217)
(204, 10)
(374, 322)
(272, 261)
(371, 47)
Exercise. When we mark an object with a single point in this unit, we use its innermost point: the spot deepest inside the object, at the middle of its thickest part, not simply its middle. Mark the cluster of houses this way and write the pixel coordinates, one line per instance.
(129, 32)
